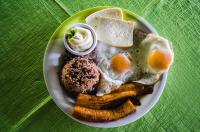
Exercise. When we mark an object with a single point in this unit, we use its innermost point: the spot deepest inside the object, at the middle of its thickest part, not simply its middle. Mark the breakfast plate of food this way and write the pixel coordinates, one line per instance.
(106, 66)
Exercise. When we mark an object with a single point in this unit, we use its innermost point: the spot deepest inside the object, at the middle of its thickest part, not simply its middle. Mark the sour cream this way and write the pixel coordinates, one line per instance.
(81, 40)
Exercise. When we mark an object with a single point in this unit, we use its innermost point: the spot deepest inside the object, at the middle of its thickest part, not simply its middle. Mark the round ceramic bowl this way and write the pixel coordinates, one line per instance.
(51, 66)
(81, 53)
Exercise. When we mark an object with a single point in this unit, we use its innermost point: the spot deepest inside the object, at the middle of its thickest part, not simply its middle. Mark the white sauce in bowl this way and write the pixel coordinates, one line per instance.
(82, 39)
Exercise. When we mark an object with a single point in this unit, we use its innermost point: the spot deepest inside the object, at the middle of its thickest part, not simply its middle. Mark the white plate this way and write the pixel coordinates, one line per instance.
(50, 68)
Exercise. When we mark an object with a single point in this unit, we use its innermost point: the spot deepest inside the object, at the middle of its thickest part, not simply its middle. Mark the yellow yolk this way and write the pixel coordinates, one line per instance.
(120, 63)
(160, 59)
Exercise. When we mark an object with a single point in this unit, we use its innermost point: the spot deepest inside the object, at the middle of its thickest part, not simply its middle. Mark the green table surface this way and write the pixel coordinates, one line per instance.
(25, 28)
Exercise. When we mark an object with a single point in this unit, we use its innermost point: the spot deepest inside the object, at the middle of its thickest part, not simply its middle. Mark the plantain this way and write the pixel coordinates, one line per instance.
(88, 114)
(138, 88)
(114, 98)
(98, 102)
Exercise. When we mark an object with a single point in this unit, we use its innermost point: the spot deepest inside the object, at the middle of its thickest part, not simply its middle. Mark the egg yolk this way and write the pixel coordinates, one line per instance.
(160, 60)
(120, 63)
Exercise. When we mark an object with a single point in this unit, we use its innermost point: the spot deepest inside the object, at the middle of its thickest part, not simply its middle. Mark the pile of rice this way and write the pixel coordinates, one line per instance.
(80, 75)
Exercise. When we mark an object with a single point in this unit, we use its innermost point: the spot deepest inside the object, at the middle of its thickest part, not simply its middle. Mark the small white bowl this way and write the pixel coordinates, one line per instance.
(81, 53)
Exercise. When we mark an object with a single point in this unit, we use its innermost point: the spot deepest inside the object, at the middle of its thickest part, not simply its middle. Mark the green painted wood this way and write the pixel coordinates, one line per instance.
(26, 27)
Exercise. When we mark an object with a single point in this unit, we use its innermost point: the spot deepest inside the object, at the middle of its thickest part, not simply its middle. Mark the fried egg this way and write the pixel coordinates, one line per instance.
(116, 66)
(157, 54)
(144, 63)
(155, 57)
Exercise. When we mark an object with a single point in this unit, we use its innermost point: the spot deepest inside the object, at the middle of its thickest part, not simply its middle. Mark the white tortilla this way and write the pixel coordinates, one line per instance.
(111, 13)
(115, 32)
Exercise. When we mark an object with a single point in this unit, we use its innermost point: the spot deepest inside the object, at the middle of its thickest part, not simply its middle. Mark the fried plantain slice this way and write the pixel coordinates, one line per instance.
(138, 88)
(97, 102)
(125, 91)
(127, 87)
(88, 114)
